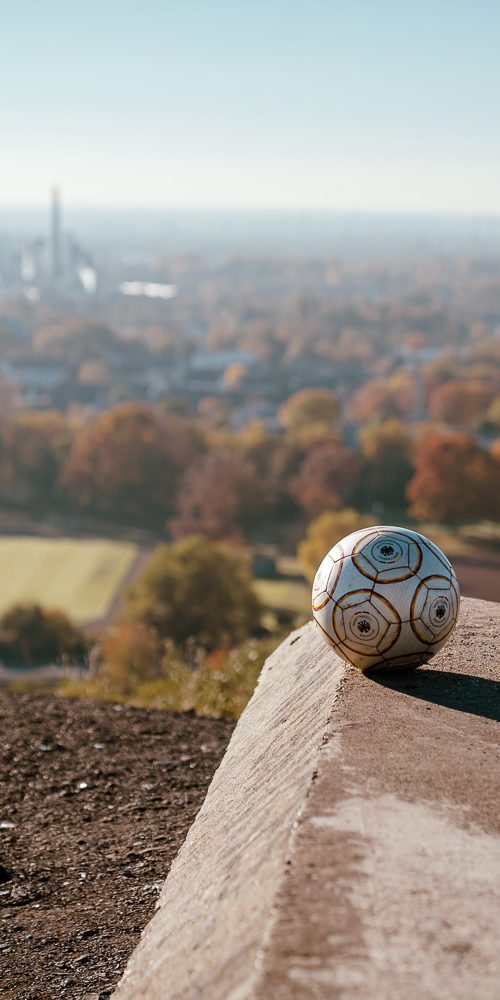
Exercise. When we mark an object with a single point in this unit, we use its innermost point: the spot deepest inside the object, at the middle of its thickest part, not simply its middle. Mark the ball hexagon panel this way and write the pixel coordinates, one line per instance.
(326, 635)
(319, 591)
(337, 552)
(434, 561)
(366, 623)
(388, 557)
(347, 579)
(434, 608)
(325, 581)
(409, 647)
(399, 594)
(365, 663)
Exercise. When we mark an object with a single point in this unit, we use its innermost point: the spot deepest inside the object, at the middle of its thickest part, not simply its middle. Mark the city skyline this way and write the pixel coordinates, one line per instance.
(268, 105)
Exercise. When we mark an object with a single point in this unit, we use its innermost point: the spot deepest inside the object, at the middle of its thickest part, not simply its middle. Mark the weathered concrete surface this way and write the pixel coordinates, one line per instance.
(362, 862)
(217, 901)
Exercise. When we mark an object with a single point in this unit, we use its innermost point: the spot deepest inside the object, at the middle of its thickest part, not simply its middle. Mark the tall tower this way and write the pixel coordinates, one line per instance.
(55, 235)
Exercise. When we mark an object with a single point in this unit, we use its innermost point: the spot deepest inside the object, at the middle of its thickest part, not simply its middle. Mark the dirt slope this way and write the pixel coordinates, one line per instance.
(95, 801)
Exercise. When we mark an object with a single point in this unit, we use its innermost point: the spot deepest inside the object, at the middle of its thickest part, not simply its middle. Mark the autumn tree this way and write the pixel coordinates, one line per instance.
(218, 496)
(326, 479)
(128, 462)
(462, 403)
(76, 341)
(373, 401)
(324, 532)
(309, 406)
(196, 588)
(33, 448)
(273, 458)
(455, 479)
(387, 450)
(379, 399)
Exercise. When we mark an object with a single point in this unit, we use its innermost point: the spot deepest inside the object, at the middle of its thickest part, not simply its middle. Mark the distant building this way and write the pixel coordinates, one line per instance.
(57, 262)
(55, 235)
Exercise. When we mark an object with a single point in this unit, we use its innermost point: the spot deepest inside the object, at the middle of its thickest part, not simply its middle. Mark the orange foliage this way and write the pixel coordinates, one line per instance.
(381, 399)
(326, 479)
(454, 480)
(374, 401)
(217, 492)
(128, 460)
(462, 403)
(130, 654)
(32, 449)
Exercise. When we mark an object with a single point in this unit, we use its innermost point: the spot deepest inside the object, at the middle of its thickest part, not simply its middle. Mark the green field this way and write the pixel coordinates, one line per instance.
(291, 592)
(79, 576)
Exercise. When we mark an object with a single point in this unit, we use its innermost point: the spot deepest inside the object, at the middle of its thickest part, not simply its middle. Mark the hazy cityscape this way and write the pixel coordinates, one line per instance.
(152, 324)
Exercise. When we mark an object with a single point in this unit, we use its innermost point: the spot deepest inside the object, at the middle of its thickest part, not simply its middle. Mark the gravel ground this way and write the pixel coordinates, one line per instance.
(95, 801)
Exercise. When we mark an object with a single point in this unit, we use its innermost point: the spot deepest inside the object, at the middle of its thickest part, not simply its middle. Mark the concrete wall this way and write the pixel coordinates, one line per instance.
(349, 843)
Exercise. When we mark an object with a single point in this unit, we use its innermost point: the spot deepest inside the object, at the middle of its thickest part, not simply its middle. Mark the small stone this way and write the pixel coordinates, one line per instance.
(5, 875)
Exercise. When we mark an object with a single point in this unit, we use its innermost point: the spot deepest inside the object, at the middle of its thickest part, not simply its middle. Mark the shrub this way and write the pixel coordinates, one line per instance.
(219, 687)
(130, 654)
(30, 634)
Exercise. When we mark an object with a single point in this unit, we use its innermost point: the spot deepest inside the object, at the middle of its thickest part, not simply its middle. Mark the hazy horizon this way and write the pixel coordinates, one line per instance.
(209, 231)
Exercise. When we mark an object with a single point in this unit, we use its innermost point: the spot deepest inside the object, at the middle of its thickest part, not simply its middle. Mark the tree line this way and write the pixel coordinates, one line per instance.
(149, 466)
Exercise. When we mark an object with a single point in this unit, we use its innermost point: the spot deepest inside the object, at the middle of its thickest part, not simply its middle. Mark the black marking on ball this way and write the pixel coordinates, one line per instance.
(363, 625)
(440, 610)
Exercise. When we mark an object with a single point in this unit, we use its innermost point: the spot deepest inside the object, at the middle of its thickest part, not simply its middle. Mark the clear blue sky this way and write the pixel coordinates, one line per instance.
(364, 104)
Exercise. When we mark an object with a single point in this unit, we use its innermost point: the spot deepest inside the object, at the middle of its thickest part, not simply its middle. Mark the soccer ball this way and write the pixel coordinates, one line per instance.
(385, 597)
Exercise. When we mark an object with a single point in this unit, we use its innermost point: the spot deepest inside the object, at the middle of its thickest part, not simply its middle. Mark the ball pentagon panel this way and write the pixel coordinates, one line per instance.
(385, 597)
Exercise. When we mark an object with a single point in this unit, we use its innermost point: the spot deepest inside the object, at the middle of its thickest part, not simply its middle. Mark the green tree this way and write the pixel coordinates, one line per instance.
(196, 588)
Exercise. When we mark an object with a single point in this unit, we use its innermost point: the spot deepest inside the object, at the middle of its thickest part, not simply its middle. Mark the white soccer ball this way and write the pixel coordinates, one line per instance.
(385, 597)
